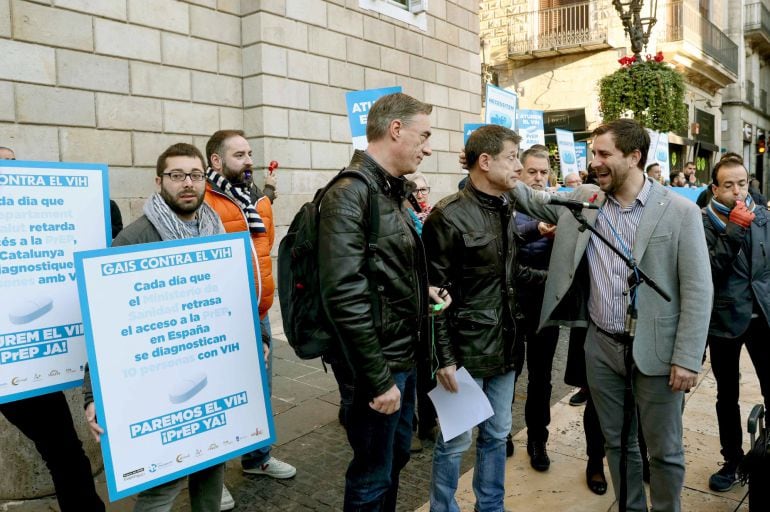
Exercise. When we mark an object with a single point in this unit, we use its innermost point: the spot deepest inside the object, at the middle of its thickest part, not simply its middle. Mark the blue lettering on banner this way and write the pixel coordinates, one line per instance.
(40, 180)
(167, 260)
(193, 414)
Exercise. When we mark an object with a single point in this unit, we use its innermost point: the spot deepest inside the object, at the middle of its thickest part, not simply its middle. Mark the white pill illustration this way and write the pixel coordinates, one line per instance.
(187, 388)
(27, 310)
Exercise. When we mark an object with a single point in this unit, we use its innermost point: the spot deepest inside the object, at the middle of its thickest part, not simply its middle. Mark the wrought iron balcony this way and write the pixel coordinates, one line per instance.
(696, 47)
(756, 26)
(567, 29)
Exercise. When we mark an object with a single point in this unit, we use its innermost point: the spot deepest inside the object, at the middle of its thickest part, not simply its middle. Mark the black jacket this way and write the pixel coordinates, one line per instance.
(400, 281)
(470, 256)
(741, 285)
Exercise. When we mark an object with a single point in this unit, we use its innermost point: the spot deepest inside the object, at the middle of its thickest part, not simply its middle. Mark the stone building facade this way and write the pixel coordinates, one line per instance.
(553, 53)
(117, 81)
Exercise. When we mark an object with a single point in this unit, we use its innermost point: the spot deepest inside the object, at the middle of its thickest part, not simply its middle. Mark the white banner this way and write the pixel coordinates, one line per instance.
(567, 157)
(175, 354)
(47, 211)
(500, 107)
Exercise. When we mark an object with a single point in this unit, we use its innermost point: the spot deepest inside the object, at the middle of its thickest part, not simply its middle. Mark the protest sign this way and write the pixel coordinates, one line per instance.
(567, 158)
(47, 211)
(500, 107)
(529, 125)
(581, 155)
(469, 128)
(358, 104)
(176, 360)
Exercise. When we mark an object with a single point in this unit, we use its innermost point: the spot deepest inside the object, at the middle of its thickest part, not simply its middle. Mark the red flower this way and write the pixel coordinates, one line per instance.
(659, 57)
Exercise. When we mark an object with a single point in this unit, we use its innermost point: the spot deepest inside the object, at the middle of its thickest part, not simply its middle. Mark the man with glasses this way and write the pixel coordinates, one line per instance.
(470, 239)
(176, 211)
(245, 208)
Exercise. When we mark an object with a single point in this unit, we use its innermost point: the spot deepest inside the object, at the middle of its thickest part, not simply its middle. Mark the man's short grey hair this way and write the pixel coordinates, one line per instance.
(389, 108)
(536, 151)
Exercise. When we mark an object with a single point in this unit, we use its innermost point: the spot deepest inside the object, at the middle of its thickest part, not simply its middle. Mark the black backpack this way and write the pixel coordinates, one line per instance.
(305, 323)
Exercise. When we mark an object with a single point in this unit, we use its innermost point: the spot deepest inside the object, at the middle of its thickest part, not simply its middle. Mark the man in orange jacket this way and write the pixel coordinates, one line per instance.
(243, 207)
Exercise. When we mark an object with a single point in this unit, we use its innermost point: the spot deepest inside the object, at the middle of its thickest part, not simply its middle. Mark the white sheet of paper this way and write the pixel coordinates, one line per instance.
(461, 411)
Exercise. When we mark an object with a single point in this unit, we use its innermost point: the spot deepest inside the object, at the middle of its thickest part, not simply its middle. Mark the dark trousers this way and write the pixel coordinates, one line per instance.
(425, 418)
(725, 360)
(47, 422)
(541, 348)
(380, 445)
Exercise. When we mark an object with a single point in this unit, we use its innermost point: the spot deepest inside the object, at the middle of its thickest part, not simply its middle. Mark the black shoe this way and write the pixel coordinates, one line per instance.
(509, 446)
(595, 479)
(724, 479)
(538, 455)
(579, 398)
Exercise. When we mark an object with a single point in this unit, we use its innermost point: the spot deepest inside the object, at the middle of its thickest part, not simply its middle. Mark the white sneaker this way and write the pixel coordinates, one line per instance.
(227, 503)
(274, 468)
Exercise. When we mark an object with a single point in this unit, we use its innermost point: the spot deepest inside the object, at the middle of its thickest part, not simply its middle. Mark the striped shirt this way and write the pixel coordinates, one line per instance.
(608, 273)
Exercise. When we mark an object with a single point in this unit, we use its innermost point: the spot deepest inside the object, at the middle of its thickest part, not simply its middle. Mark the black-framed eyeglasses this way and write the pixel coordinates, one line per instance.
(181, 176)
(423, 190)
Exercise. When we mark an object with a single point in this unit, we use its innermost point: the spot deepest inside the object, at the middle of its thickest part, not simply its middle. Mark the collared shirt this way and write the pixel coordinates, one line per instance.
(608, 273)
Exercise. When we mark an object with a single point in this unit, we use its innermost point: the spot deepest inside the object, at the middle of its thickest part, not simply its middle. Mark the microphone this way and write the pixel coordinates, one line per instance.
(544, 197)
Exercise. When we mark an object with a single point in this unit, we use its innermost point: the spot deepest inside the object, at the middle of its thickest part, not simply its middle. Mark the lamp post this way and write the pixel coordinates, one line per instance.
(637, 27)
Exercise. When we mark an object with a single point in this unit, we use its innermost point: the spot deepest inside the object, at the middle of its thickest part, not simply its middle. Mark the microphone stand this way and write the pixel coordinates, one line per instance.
(635, 280)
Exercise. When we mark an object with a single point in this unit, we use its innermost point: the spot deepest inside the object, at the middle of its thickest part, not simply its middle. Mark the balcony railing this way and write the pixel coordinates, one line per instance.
(750, 92)
(756, 17)
(685, 22)
(578, 25)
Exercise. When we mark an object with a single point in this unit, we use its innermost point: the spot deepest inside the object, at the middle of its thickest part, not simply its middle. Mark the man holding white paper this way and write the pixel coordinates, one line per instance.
(470, 237)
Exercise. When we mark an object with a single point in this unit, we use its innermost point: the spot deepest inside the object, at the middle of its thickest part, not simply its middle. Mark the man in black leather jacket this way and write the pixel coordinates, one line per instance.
(738, 239)
(379, 421)
(471, 239)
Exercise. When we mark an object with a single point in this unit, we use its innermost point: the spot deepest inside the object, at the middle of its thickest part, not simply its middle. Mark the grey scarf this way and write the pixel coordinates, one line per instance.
(170, 227)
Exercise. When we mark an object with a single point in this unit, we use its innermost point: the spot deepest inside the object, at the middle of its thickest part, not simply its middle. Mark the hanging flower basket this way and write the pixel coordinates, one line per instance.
(650, 91)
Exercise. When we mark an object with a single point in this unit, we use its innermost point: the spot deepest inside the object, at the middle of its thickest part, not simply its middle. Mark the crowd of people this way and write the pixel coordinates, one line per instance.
(483, 280)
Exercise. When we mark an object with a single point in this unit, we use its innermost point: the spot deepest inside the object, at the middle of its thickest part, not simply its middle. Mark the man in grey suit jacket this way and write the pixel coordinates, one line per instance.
(586, 287)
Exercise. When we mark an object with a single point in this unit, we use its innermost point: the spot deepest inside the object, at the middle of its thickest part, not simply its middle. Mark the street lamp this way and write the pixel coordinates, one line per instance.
(637, 27)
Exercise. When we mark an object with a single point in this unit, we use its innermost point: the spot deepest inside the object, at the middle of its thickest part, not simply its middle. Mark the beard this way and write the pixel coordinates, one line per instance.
(177, 206)
(241, 179)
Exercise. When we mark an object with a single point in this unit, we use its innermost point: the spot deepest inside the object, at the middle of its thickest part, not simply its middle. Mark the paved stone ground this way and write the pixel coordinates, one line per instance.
(309, 437)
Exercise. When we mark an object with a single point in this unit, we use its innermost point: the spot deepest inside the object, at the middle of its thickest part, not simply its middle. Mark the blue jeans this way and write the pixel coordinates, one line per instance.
(259, 456)
(380, 445)
(489, 472)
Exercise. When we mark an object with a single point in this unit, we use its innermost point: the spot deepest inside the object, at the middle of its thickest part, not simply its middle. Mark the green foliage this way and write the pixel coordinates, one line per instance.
(651, 92)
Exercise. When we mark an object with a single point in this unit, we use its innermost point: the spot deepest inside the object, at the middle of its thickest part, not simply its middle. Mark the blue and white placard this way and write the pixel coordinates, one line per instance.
(176, 357)
(500, 107)
(529, 125)
(662, 156)
(469, 128)
(581, 155)
(47, 211)
(359, 103)
(567, 157)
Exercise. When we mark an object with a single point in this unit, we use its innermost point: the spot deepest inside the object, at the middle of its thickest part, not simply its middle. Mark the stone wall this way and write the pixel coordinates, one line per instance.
(118, 81)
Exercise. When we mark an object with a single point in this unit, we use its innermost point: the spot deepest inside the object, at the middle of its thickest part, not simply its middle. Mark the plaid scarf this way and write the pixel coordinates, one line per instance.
(715, 208)
(171, 227)
(239, 197)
